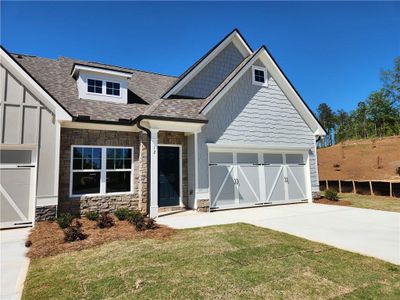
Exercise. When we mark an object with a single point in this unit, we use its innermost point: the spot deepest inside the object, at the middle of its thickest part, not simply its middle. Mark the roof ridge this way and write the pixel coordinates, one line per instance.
(77, 60)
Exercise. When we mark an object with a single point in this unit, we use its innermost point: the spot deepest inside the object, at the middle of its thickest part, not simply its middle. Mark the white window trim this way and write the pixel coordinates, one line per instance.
(253, 75)
(103, 171)
(103, 87)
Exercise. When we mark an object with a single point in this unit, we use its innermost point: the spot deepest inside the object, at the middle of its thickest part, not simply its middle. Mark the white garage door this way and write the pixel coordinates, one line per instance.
(16, 188)
(248, 179)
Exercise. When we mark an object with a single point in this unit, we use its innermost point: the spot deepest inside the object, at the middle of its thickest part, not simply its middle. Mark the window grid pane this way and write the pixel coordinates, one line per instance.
(113, 88)
(95, 86)
(86, 158)
(259, 76)
(119, 158)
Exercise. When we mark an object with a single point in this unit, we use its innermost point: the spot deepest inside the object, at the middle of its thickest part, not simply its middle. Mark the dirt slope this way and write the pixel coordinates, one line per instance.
(375, 159)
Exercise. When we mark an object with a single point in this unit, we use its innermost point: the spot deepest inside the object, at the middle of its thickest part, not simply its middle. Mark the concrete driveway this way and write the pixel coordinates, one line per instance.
(369, 232)
(13, 262)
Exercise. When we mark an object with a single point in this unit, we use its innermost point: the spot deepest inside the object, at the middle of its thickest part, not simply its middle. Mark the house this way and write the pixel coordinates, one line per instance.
(76, 136)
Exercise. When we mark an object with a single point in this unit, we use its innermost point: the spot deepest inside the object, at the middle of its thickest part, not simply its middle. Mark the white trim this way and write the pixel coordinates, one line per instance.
(186, 127)
(253, 76)
(196, 170)
(103, 171)
(78, 68)
(33, 86)
(233, 37)
(274, 71)
(180, 170)
(154, 173)
(99, 126)
(256, 148)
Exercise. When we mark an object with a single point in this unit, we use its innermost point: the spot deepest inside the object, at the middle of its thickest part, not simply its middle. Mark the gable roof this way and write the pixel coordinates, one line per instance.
(8, 61)
(234, 36)
(282, 81)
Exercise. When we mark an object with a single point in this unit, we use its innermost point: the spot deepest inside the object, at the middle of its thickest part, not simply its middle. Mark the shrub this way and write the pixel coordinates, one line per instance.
(105, 220)
(92, 215)
(141, 222)
(64, 220)
(331, 195)
(151, 224)
(122, 213)
(135, 216)
(74, 233)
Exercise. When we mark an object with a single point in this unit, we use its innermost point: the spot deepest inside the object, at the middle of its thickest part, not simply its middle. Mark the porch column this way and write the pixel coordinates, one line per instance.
(154, 173)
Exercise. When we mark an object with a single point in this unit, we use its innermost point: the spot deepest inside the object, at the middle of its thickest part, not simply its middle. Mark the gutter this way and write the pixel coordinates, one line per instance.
(148, 132)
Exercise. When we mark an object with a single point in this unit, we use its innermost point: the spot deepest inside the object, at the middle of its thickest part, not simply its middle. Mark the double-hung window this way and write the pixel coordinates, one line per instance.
(119, 165)
(101, 170)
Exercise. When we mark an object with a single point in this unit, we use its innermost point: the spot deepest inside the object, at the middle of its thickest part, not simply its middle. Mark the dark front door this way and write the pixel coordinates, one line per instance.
(168, 176)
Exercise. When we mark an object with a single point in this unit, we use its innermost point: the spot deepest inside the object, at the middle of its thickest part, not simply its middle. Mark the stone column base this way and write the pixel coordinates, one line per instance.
(316, 195)
(203, 205)
(48, 212)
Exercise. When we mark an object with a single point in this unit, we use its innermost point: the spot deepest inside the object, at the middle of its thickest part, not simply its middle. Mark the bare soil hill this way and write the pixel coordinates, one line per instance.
(374, 159)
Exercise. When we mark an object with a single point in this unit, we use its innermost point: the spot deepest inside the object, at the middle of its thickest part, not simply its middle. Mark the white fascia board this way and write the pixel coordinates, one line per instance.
(215, 147)
(78, 68)
(60, 113)
(282, 82)
(233, 37)
(99, 126)
(187, 127)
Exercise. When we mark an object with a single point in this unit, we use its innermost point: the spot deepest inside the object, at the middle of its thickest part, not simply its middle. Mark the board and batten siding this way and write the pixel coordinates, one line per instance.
(201, 85)
(24, 120)
(255, 115)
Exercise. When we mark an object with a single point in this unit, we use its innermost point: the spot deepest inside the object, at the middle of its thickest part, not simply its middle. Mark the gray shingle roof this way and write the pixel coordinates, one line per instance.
(144, 97)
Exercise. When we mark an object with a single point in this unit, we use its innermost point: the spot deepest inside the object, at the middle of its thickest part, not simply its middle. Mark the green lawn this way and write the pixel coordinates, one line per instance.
(223, 262)
(372, 202)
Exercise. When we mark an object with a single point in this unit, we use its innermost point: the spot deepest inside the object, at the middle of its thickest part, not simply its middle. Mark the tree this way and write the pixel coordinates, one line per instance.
(327, 118)
(343, 126)
(391, 82)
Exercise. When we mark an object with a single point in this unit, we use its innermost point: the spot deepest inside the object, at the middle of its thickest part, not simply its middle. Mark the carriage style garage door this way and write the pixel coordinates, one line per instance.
(16, 188)
(248, 179)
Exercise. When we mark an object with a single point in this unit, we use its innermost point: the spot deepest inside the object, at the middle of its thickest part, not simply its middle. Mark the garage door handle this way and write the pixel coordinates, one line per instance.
(25, 166)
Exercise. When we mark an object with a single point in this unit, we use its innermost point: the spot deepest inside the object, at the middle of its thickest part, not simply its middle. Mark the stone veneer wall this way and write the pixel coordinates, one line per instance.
(79, 205)
(48, 212)
(178, 138)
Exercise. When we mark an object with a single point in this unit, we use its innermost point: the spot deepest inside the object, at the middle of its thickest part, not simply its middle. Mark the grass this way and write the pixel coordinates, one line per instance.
(372, 202)
(223, 262)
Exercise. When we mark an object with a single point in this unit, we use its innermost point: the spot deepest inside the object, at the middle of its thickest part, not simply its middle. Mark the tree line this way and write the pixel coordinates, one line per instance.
(376, 116)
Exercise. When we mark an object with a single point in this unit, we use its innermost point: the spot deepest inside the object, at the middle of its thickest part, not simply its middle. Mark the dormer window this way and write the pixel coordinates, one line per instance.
(95, 86)
(259, 75)
(113, 88)
(102, 84)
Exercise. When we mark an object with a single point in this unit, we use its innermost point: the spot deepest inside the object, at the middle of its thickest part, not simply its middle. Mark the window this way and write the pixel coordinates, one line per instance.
(119, 164)
(259, 75)
(112, 88)
(86, 170)
(101, 170)
(95, 86)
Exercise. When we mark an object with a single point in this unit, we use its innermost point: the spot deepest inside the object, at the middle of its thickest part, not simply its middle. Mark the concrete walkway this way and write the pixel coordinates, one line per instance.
(369, 232)
(13, 262)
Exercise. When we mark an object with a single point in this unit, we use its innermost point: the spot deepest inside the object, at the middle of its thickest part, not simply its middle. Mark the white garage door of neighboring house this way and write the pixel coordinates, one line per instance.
(17, 174)
(248, 179)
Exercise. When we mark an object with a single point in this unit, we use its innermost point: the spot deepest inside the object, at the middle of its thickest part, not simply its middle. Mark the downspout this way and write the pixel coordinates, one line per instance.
(148, 163)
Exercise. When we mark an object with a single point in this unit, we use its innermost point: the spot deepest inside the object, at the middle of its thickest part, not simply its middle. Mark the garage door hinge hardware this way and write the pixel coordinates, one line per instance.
(265, 164)
(25, 166)
(23, 223)
(305, 200)
(257, 164)
(212, 164)
(302, 164)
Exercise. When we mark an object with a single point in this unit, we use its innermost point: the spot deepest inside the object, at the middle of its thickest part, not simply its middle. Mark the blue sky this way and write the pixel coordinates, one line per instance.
(332, 52)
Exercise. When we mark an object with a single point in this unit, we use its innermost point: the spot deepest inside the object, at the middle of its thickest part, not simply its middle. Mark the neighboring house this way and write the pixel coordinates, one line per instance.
(76, 136)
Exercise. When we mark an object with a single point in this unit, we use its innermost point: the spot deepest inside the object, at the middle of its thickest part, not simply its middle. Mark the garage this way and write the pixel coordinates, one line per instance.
(17, 173)
(243, 179)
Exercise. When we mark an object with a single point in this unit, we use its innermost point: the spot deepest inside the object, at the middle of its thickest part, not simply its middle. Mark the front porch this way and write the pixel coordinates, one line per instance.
(173, 166)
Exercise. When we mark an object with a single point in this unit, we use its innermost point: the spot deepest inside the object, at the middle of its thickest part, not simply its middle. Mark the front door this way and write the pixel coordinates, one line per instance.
(168, 176)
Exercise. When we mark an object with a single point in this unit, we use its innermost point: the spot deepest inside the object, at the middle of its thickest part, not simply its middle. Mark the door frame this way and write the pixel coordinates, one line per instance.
(32, 183)
(180, 171)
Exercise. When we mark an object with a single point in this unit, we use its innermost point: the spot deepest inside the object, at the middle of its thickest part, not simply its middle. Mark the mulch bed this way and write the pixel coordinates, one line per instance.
(47, 238)
(326, 201)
